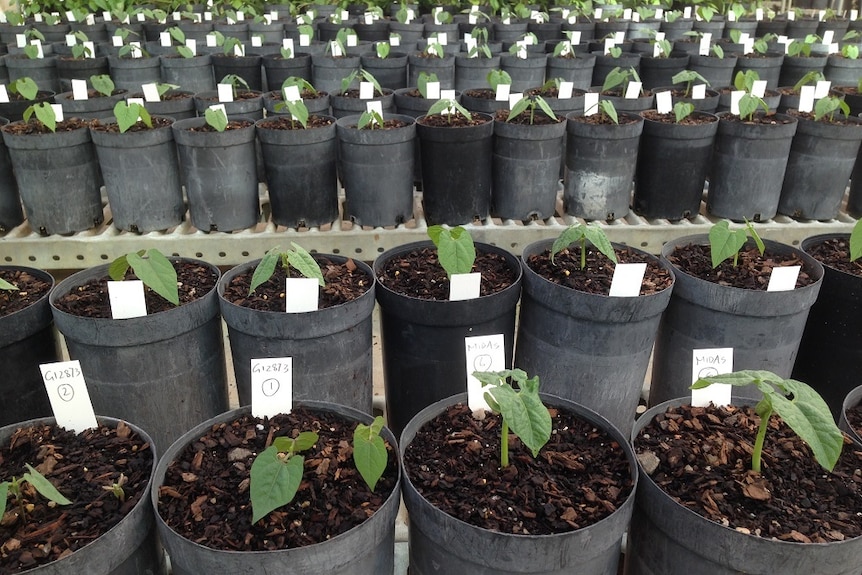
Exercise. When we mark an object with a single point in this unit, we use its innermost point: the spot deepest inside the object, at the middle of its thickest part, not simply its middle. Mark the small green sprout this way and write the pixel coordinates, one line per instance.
(152, 268)
(449, 109)
(455, 249)
(103, 84)
(24, 87)
(128, 115)
(276, 473)
(116, 488)
(689, 77)
(529, 103)
(724, 242)
(6, 286)
(801, 408)
(856, 242)
(44, 113)
(369, 452)
(39, 483)
(422, 82)
(296, 257)
(825, 108)
(370, 120)
(682, 110)
(581, 234)
(216, 119)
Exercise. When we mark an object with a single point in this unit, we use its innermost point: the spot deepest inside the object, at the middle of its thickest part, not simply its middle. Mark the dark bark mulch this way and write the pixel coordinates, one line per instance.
(579, 477)
(705, 460)
(91, 299)
(552, 92)
(114, 128)
(238, 95)
(670, 118)
(30, 290)
(838, 119)
(482, 93)
(305, 94)
(354, 93)
(758, 118)
(80, 467)
(854, 418)
(539, 118)
(601, 118)
(598, 274)
(205, 492)
(34, 126)
(418, 274)
(388, 124)
(94, 94)
(231, 125)
(344, 282)
(452, 120)
(835, 253)
(287, 123)
(751, 272)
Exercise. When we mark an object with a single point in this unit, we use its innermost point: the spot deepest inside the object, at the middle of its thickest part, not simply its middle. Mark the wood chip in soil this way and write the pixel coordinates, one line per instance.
(418, 274)
(579, 477)
(539, 118)
(30, 290)
(835, 253)
(751, 272)
(287, 123)
(597, 275)
(81, 467)
(90, 299)
(344, 282)
(704, 458)
(34, 126)
(452, 120)
(204, 496)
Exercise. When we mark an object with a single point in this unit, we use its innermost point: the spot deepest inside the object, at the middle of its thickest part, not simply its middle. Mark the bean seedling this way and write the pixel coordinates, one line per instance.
(724, 242)
(276, 473)
(455, 249)
(582, 233)
(297, 257)
(39, 483)
(152, 268)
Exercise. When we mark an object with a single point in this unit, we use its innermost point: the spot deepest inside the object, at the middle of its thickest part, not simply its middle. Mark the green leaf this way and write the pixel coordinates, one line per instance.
(118, 268)
(305, 263)
(572, 234)
(216, 118)
(45, 487)
(4, 493)
(298, 111)
(596, 236)
(369, 452)
(724, 242)
(856, 241)
(273, 481)
(4, 285)
(185, 52)
(749, 227)
(157, 273)
(422, 82)
(525, 413)
(455, 249)
(26, 87)
(383, 49)
(126, 115)
(610, 110)
(682, 110)
(264, 270)
(103, 84)
(45, 114)
(520, 106)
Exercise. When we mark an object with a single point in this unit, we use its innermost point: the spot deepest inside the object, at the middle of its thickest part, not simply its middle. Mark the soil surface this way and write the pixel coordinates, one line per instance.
(169, 96)
(539, 118)
(231, 125)
(481, 94)
(139, 126)
(95, 94)
(91, 299)
(354, 93)
(388, 124)
(579, 477)
(670, 118)
(80, 467)
(704, 459)
(306, 94)
(835, 253)
(752, 271)
(34, 126)
(238, 95)
(418, 274)
(344, 282)
(205, 492)
(759, 118)
(287, 123)
(552, 92)
(602, 118)
(838, 119)
(598, 274)
(452, 120)
(30, 290)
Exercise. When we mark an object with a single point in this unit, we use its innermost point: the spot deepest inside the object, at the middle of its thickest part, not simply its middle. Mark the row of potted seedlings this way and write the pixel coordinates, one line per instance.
(584, 333)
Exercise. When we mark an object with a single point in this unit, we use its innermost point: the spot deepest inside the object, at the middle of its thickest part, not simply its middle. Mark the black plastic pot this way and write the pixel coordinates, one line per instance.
(43, 71)
(304, 191)
(442, 543)
(192, 74)
(473, 72)
(456, 171)
(676, 30)
(69, 69)
(130, 547)
(390, 72)
(605, 63)
(26, 341)
(163, 371)
(655, 72)
(423, 340)
(717, 71)
(101, 107)
(839, 70)
(669, 539)
(376, 169)
(526, 168)
(578, 70)
(11, 213)
(768, 67)
(793, 68)
(443, 67)
(600, 165)
(574, 341)
(247, 67)
(852, 400)
(327, 72)
(58, 179)
(830, 352)
(673, 161)
(279, 69)
(176, 108)
(525, 72)
(219, 171)
(142, 178)
(367, 549)
(818, 168)
(748, 165)
(13, 110)
(763, 328)
(251, 108)
(131, 73)
(271, 101)
(348, 106)
(341, 374)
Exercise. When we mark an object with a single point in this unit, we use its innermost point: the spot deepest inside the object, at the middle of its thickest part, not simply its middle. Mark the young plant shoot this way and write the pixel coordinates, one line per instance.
(369, 452)
(152, 268)
(800, 406)
(724, 242)
(856, 242)
(522, 411)
(581, 233)
(39, 483)
(297, 257)
(455, 249)
(276, 473)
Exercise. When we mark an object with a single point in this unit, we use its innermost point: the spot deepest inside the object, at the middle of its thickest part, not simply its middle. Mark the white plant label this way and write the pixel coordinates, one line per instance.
(659, 35)
(464, 286)
(127, 299)
(369, 18)
(374, 106)
(758, 14)
(71, 40)
(656, 50)
(483, 353)
(212, 42)
(758, 88)
(90, 51)
(271, 386)
(351, 40)
(141, 17)
(67, 391)
(471, 18)
(566, 90)
(219, 107)
(470, 44)
(503, 92)
(806, 99)
(151, 92)
(117, 41)
(438, 12)
(854, 14)
(747, 45)
(821, 89)
(514, 99)
(664, 102)
(433, 90)
(239, 50)
(4, 95)
(619, 37)
(58, 112)
(609, 43)
(834, 48)
(627, 280)
(335, 48)
(256, 41)
(821, 15)
(447, 94)
(136, 50)
(731, 16)
(366, 90)
(575, 37)
(709, 363)
(301, 295)
(225, 93)
(522, 50)
(597, 14)
(240, 16)
(636, 17)
(783, 278)
(698, 92)
(735, 97)
(79, 90)
(273, 16)
(633, 90)
(791, 15)
(192, 45)
(442, 38)
(208, 16)
(165, 39)
(703, 49)
(627, 14)
(70, 16)
(659, 13)
(3, 19)
(291, 94)
(828, 36)
(37, 17)
(686, 12)
(591, 103)
(138, 101)
(394, 40)
(304, 40)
